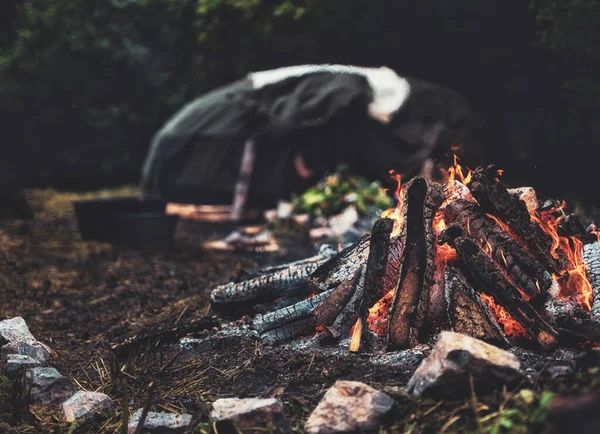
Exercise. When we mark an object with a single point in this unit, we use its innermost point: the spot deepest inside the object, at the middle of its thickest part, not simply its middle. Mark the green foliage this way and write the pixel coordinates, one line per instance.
(340, 190)
(526, 413)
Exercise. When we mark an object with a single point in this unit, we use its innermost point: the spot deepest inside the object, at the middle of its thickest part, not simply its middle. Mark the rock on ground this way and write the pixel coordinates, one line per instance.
(455, 359)
(575, 414)
(160, 422)
(35, 350)
(83, 405)
(349, 406)
(49, 388)
(14, 330)
(250, 415)
(16, 362)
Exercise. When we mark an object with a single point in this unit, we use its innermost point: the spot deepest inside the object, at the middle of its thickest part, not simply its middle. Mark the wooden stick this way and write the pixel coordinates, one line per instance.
(243, 182)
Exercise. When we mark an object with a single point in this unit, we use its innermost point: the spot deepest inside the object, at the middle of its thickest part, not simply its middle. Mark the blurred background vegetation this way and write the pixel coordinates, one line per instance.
(84, 85)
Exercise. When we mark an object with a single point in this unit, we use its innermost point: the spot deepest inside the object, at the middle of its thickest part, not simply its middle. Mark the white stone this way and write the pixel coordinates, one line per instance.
(16, 362)
(344, 221)
(35, 350)
(349, 406)
(455, 359)
(15, 330)
(162, 423)
(48, 387)
(250, 415)
(83, 405)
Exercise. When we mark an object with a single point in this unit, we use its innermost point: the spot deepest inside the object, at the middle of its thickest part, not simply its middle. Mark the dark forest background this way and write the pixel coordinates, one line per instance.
(85, 84)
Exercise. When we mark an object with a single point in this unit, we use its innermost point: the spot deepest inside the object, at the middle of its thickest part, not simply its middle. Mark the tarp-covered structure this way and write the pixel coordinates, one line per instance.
(370, 119)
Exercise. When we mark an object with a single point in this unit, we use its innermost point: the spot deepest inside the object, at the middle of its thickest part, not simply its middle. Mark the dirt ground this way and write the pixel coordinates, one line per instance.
(81, 298)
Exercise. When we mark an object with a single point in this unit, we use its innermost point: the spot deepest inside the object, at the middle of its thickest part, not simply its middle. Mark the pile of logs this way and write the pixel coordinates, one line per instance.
(500, 252)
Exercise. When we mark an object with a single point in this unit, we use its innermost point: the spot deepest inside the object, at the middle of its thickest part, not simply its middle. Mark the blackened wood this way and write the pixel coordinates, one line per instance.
(392, 269)
(571, 226)
(521, 266)
(487, 277)
(591, 257)
(347, 318)
(572, 322)
(409, 310)
(328, 310)
(289, 331)
(341, 267)
(495, 199)
(288, 314)
(265, 287)
(468, 313)
(374, 288)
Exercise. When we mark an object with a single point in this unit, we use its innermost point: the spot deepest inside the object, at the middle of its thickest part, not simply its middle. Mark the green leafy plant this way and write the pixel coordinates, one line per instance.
(339, 190)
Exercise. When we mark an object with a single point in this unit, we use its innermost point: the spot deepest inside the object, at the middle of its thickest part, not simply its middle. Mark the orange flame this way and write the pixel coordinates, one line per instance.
(396, 212)
(510, 326)
(577, 283)
(506, 262)
(456, 172)
(378, 315)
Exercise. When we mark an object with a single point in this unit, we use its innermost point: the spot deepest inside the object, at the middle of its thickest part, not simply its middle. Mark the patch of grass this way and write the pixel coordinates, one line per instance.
(59, 203)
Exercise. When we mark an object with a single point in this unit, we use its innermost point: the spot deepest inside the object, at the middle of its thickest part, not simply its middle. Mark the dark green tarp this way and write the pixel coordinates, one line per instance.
(325, 116)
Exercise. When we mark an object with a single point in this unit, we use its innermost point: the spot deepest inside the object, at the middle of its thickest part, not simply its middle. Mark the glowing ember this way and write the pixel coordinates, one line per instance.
(396, 212)
(510, 326)
(378, 314)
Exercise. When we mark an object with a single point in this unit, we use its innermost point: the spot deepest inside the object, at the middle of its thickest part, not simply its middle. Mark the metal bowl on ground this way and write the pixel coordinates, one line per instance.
(96, 217)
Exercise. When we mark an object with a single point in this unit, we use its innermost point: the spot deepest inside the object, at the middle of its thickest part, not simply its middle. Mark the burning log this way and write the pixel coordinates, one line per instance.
(490, 279)
(409, 310)
(495, 199)
(467, 312)
(273, 320)
(341, 267)
(524, 269)
(375, 289)
(266, 287)
(591, 258)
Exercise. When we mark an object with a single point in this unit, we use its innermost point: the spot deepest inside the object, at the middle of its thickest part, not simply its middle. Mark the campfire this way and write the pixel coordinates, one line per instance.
(463, 254)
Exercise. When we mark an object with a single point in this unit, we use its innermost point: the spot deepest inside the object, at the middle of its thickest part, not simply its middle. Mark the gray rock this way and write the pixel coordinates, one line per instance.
(160, 422)
(49, 388)
(349, 406)
(35, 350)
(83, 405)
(455, 359)
(249, 416)
(14, 330)
(16, 362)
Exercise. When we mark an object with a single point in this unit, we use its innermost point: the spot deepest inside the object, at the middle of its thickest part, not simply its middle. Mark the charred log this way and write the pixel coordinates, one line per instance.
(375, 274)
(572, 322)
(522, 267)
(591, 258)
(409, 310)
(468, 313)
(273, 320)
(495, 199)
(266, 287)
(341, 267)
(289, 330)
(487, 277)
(571, 226)
(349, 314)
(328, 310)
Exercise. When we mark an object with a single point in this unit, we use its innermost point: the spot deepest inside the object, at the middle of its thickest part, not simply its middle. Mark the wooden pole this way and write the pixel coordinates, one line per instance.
(243, 182)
